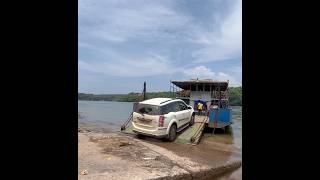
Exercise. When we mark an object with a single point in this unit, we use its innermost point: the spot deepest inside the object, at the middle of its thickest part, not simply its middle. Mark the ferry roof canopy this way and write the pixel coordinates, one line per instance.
(186, 84)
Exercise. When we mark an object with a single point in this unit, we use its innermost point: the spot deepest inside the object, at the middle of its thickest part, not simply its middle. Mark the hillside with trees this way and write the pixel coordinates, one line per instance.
(235, 96)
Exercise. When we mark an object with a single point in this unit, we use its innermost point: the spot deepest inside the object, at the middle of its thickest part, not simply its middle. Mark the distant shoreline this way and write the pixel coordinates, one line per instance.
(103, 100)
(235, 96)
(135, 101)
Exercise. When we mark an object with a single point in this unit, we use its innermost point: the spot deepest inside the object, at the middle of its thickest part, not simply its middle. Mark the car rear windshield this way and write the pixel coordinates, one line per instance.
(147, 109)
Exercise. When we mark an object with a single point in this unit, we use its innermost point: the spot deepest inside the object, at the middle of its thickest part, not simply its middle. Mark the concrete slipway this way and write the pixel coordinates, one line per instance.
(123, 156)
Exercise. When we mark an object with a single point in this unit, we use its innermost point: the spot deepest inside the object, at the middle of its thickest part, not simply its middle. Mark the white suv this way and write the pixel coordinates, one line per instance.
(161, 117)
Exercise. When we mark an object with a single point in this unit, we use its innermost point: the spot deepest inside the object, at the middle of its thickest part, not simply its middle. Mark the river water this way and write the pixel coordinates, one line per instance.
(110, 115)
(104, 113)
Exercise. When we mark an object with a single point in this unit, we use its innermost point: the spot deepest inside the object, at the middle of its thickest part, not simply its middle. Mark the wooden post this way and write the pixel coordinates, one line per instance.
(144, 91)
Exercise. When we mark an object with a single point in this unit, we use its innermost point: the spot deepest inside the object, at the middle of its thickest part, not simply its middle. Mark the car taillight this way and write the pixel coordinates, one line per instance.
(161, 121)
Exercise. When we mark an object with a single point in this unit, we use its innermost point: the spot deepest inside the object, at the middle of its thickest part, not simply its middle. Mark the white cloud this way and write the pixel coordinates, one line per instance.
(203, 72)
(139, 38)
(236, 69)
(130, 67)
(232, 80)
(155, 21)
(200, 72)
(225, 42)
(121, 21)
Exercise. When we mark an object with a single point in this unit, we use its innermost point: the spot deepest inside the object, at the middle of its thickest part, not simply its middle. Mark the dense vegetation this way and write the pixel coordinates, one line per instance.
(131, 97)
(235, 96)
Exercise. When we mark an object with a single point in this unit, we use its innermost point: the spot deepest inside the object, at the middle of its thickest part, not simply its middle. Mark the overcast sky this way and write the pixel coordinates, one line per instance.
(123, 43)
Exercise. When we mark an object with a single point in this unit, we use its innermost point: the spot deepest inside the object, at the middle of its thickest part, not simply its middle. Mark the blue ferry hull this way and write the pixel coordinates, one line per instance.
(220, 118)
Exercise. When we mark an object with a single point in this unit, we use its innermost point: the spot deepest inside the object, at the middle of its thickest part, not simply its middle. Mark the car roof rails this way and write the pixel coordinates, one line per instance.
(166, 101)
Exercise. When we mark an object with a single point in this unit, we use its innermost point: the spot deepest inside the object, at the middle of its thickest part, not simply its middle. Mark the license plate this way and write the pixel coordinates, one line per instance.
(143, 119)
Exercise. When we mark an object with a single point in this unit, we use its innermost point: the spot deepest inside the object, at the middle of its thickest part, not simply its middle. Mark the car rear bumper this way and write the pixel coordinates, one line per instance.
(160, 132)
(151, 135)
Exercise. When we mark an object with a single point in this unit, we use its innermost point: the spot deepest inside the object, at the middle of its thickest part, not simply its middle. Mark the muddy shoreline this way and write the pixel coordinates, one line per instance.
(150, 159)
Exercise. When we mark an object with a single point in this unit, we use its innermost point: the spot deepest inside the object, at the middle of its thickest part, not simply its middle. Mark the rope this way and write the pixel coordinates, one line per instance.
(124, 125)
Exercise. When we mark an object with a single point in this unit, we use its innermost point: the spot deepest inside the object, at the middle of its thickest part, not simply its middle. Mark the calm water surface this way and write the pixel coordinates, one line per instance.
(112, 114)
(104, 113)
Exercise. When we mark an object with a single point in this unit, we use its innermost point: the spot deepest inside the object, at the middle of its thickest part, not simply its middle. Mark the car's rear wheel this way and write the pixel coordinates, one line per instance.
(172, 133)
(191, 120)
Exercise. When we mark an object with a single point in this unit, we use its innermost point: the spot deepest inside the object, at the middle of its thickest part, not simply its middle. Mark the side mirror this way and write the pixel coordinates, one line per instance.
(189, 107)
